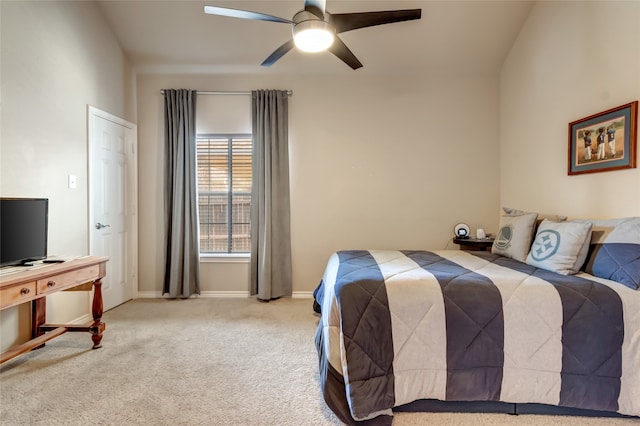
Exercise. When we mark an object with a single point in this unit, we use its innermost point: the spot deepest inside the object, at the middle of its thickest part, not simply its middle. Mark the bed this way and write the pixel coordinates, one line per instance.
(508, 327)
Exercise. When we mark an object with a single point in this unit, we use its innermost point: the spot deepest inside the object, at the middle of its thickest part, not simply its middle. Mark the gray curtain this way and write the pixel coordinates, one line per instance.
(182, 262)
(270, 231)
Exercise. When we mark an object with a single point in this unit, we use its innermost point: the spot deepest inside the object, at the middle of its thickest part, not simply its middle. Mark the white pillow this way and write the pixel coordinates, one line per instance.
(514, 236)
(560, 247)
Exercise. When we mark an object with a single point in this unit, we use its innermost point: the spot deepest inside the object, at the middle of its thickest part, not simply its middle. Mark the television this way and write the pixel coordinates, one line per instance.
(23, 230)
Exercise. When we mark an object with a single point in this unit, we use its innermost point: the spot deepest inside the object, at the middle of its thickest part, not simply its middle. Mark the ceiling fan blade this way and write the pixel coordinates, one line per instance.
(352, 21)
(341, 50)
(278, 53)
(317, 7)
(243, 14)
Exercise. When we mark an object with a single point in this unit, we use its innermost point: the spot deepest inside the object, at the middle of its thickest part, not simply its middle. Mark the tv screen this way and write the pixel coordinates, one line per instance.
(23, 230)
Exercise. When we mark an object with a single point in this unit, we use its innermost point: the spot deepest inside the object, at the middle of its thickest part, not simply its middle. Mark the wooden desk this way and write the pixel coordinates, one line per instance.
(35, 283)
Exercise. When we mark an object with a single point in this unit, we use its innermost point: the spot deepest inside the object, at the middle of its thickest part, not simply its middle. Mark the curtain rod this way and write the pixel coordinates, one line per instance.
(289, 92)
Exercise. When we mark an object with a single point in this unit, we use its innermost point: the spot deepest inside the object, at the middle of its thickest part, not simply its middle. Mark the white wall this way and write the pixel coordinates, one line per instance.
(571, 60)
(374, 163)
(57, 58)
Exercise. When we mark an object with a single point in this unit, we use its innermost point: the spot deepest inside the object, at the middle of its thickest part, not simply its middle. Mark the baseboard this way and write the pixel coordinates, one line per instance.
(148, 295)
(85, 319)
(221, 294)
(203, 294)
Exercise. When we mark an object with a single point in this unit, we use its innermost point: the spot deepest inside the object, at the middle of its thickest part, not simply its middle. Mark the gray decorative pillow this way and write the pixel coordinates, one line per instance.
(514, 236)
(508, 211)
(560, 247)
(615, 250)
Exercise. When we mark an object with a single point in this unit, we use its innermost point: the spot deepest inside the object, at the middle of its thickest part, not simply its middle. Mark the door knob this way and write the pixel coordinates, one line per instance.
(100, 226)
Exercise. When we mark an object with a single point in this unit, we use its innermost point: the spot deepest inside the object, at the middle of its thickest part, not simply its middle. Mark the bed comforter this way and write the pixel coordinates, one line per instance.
(400, 326)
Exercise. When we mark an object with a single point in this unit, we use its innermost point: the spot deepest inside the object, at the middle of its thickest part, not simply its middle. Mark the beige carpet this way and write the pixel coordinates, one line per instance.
(195, 362)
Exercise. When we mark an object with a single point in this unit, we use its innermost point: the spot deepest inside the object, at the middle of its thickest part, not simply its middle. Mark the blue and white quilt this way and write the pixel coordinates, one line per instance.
(401, 326)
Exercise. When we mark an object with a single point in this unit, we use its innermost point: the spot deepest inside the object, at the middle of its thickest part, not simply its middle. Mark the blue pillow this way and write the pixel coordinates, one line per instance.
(614, 252)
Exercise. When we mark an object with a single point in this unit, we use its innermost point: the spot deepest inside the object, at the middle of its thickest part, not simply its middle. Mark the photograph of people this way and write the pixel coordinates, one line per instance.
(611, 136)
(600, 139)
(587, 145)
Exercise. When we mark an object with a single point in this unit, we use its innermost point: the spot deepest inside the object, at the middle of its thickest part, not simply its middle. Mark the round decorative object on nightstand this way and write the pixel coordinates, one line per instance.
(462, 230)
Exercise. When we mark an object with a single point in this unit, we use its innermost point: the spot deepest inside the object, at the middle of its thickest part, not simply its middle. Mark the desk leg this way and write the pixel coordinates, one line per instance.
(38, 317)
(96, 309)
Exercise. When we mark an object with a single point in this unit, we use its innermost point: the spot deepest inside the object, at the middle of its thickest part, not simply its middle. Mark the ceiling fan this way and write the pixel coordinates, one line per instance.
(316, 30)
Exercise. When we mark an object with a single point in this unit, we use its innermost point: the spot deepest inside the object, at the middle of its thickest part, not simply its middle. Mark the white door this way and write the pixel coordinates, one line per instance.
(113, 203)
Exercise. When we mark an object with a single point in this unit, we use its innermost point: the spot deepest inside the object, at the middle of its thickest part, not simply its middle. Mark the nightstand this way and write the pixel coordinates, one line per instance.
(474, 244)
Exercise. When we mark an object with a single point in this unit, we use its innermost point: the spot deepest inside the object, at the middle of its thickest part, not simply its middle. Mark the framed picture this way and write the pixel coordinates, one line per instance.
(604, 141)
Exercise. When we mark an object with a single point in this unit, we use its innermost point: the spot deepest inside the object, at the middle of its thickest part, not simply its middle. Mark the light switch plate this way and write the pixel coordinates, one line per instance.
(72, 181)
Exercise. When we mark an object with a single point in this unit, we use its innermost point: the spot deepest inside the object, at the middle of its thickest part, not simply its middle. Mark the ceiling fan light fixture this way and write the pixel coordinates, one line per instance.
(313, 36)
(315, 29)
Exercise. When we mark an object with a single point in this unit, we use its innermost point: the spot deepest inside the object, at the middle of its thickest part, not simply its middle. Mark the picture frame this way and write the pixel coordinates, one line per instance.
(604, 141)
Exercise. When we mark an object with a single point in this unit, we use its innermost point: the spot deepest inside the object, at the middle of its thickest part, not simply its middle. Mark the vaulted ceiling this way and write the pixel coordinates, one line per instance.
(452, 37)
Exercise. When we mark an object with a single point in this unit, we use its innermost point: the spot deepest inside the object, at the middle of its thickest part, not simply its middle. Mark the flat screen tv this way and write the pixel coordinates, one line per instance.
(23, 230)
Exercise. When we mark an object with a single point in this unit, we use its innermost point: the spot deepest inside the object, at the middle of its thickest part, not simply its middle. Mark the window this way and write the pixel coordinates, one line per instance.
(224, 192)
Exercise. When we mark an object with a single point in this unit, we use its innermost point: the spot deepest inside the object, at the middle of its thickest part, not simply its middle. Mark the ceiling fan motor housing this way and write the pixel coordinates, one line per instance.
(311, 33)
